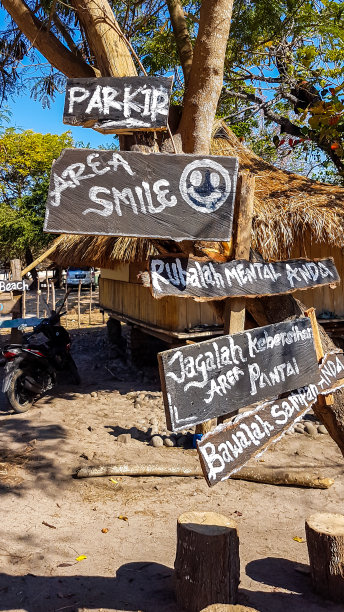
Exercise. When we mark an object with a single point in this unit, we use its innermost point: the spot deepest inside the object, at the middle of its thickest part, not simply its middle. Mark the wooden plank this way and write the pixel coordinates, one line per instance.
(225, 450)
(113, 105)
(126, 193)
(209, 280)
(329, 400)
(9, 305)
(220, 376)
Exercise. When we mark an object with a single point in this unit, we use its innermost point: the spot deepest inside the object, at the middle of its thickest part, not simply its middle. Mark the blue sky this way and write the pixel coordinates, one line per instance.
(28, 114)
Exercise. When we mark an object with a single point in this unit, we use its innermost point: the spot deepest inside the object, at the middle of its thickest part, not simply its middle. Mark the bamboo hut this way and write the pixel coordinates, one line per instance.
(293, 217)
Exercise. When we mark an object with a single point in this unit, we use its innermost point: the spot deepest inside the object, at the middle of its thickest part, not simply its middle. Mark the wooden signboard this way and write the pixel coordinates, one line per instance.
(8, 304)
(205, 279)
(6, 286)
(110, 193)
(225, 450)
(206, 380)
(114, 105)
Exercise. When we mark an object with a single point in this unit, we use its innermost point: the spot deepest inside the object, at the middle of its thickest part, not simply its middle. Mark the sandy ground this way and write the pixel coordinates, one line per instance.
(49, 518)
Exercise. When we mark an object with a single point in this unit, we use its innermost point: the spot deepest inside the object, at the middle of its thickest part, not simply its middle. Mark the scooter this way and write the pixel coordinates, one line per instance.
(31, 369)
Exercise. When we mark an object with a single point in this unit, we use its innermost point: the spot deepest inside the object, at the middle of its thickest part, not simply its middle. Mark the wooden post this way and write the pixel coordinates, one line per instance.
(207, 565)
(90, 313)
(53, 295)
(24, 304)
(325, 541)
(38, 297)
(66, 305)
(79, 294)
(48, 288)
(323, 400)
(16, 335)
(235, 308)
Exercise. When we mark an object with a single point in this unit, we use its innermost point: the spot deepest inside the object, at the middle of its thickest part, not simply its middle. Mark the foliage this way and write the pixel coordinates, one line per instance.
(285, 60)
(25, 164)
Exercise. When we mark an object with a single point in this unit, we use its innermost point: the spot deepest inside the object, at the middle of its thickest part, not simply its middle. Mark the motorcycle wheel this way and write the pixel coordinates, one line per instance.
(19, 398)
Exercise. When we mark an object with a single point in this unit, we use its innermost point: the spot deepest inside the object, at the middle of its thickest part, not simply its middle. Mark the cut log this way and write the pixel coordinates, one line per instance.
(325, 541)
(207, 564)
(228, 608)
(281, 476)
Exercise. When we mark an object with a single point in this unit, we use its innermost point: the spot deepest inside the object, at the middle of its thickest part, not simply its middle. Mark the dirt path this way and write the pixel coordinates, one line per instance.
(130, 566)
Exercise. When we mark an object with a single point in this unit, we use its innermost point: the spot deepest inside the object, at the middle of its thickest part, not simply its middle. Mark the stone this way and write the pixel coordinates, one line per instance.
(154, 420)
(169, 441)
(124, 438)
(154, 430)
(310, 429)
(157, 441)
(94, 394)
(322, 429)
(299, 428)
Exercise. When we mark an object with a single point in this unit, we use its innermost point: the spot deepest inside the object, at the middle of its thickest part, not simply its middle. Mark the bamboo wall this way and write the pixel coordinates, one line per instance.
(323, 299)
(133, 300)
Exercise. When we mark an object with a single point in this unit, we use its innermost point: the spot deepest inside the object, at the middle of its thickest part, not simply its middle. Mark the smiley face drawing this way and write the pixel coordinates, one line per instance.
(205, 185)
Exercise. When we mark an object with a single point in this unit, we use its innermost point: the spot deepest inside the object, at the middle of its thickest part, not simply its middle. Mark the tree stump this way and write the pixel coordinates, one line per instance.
(228, 608)
(325, 541)
(207, 564)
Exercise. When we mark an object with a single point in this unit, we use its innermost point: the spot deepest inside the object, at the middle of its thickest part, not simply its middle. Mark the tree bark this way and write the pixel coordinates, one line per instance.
(46, 42)
(325, 541)
(207, 565)
(206, 76)
(105, 38)
(181, 35)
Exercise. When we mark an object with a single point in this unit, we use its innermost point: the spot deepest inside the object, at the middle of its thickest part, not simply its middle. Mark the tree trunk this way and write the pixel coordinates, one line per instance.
(206, 76)
(325, 541)
(207, 565)
(28, 261)
(105, 38)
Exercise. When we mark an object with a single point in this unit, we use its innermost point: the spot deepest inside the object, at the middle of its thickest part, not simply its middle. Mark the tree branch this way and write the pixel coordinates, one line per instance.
(46, 42)
(181, 35)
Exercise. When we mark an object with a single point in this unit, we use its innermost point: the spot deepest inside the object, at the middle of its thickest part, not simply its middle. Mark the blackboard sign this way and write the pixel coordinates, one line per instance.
(200, 278)
(225, 450)
(208, 379)
(6, 286)
(114, 105)
(111, 193)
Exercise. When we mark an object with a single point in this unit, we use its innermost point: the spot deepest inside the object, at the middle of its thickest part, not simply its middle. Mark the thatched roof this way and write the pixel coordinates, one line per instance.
(287, 207)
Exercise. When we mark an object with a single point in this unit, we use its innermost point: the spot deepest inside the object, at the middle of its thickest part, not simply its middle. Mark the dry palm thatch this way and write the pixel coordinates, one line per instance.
(287, 207)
